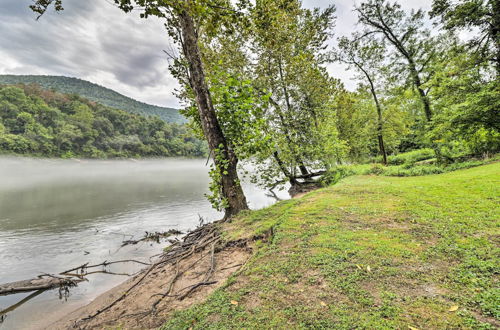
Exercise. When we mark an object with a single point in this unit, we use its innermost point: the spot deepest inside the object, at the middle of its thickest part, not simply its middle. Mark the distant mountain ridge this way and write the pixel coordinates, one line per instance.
(95, 93)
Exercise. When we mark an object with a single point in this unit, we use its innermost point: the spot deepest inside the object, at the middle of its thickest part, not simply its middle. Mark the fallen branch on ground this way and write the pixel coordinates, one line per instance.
(193, 242)
(156, 236)
(82, 269)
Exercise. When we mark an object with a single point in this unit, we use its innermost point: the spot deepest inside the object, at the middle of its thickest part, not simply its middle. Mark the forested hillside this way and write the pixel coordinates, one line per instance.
(95, 93)
(43, 122)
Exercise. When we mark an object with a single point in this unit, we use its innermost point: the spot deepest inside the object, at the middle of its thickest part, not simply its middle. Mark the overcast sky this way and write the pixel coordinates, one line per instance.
(95, 41)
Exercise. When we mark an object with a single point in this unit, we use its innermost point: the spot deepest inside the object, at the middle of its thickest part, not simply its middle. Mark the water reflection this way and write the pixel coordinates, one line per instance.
(56, 214)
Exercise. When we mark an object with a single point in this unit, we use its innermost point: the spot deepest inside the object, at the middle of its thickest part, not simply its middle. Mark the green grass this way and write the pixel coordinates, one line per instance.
(413, 166)
(371, 252)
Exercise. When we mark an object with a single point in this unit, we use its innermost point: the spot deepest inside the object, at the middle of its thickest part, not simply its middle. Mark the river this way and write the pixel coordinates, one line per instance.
(58, 214)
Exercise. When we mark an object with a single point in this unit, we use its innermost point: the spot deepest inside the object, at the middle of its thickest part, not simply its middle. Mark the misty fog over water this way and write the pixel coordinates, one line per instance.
(58, 214)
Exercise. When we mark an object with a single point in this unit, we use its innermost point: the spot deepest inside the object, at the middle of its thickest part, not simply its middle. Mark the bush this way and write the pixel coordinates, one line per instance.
(411, 157)
(16, 143)
(335, 174)
(376, 169)
(413, 171)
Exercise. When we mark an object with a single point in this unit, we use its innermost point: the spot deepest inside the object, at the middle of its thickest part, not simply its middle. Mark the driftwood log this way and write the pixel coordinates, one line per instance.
(42, 283)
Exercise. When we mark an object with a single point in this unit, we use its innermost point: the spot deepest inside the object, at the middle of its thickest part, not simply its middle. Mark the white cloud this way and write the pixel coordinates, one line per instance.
(95, 41)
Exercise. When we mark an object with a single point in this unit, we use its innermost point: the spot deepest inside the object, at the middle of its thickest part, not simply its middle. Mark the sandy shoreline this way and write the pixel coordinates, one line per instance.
(135, 310)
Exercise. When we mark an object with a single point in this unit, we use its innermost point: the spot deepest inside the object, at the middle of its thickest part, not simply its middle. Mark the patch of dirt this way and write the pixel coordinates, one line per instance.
(187, 282)
(298, 191)
(311, 290)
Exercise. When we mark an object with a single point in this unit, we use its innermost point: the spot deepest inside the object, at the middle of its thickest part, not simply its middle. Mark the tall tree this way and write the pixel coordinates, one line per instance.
(484, 15)
(183, 21)
(287, 43)
(366, 55)
(406, 33)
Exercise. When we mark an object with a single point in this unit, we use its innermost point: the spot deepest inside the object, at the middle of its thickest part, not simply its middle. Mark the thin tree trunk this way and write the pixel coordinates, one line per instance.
(283, 169)
(380, 123)
(418, 85)
(495, 32)
(380, 128)
(302, 166)
(224, 157)
(387, 31)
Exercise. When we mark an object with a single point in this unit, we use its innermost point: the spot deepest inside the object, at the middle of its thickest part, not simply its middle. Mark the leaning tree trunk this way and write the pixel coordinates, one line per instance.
(380, 129)
(380, 122)
(225, 159)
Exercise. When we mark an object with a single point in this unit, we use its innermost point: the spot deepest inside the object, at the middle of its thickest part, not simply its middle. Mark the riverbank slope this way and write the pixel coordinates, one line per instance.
(370, 252)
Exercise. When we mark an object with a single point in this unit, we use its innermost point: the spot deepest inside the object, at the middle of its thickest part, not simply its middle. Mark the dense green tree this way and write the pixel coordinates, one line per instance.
(288, 42)
(46, 123)
(96, 93)
(367, 56)
(483, 15)
(412, 43)
(469, 120)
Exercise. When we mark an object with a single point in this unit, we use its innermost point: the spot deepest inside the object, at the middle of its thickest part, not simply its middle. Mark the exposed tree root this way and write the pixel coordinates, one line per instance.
(156, 236)
(185, 273)
(193, 242)
(83, 268)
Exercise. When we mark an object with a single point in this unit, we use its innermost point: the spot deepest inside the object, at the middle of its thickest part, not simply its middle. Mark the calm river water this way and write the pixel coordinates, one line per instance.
(59, 214)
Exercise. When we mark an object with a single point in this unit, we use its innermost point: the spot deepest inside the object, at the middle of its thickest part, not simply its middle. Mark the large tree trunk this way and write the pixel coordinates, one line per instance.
(224, 157)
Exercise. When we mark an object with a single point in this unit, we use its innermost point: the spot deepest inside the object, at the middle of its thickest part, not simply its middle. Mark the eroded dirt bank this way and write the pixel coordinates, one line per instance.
(186, 274)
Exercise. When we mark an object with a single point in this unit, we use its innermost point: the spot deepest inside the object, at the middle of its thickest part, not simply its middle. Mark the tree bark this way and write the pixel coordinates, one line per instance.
(224, 157)
(495, 32)
(380, 126)
(302, 166)
(36, 284)
(418, 85)
(380, 123)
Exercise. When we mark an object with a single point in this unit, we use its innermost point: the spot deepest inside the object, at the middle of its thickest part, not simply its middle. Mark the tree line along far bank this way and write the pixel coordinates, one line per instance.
(39, 122)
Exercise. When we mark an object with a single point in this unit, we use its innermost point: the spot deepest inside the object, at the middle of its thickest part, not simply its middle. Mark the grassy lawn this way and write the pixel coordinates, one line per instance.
(371, 252)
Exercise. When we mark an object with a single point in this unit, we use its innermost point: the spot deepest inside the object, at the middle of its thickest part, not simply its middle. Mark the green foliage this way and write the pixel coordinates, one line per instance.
(240, 110)
(411, 157)
(413, 171)
(481, 17)
(288, 44)
(357, 123)
(217, 169)
(470, 127)
(368, 253)
(95, 93)
(337, 173)
(40, 122)
(414, 163)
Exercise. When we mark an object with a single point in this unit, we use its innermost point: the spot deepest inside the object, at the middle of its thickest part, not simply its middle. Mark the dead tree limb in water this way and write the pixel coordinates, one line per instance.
(37, 284)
